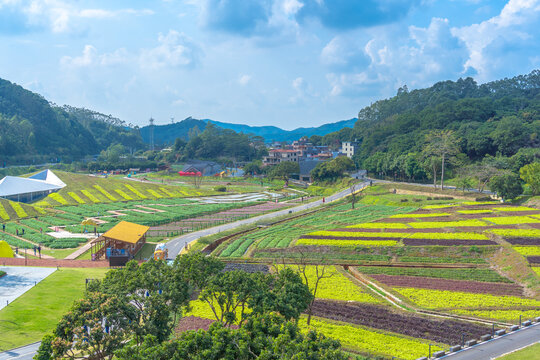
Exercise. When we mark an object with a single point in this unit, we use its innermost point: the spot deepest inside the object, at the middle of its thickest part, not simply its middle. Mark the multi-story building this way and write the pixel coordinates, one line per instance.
(349, 148)
(277, 156)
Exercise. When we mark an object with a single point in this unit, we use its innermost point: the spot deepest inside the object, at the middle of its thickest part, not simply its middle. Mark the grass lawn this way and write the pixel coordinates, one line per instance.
(530, 353)
(38, 310)
(146, 252)
(58, 253)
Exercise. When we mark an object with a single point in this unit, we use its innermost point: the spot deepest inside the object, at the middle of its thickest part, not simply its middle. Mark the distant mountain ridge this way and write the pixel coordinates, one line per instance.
(166, 134)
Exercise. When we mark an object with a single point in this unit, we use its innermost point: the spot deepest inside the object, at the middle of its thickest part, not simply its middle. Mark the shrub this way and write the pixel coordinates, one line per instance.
(220, 188)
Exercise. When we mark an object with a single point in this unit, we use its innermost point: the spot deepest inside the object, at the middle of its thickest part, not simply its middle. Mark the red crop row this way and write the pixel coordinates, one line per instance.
(533, 259)
(323, 237)
(422, 242)
(523, 241)
(477, 287)
(378, 317)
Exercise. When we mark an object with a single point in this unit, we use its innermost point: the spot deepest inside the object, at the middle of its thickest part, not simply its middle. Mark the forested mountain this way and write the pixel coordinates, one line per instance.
(32, 128)
(166, 134)
(499, 119)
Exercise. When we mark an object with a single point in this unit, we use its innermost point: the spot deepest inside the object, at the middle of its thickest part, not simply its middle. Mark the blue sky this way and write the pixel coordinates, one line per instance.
(287, 63)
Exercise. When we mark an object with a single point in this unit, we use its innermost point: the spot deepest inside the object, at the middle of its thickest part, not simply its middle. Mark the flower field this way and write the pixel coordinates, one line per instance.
(443, 299)
(338, 287)
(512, 220)
(366, 340)
(460, 225)
(449, 284)
(352, 337)
(379, 317)
(483, 275)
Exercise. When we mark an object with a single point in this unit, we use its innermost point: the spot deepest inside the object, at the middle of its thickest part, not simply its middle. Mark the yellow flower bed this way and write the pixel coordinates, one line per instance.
(449, 236)
(123, 194)
(344, 243)
(536, 270)
(3, 214)
(380, 226)
(480, 202)
(166, 191)
(511, 316)
(516, 232)
(433, 207)
(413, 216)
(527, 250)
(512, 220)
(154, 193)
(443, 299)
(18, 209)
(40, 210)
(515, 208)
(91, 196)
(445, 224)
(57, 197)
(471, 212)
(76, 197)
(105, 192)
(359, 234)
(136, 192)
(372, 341)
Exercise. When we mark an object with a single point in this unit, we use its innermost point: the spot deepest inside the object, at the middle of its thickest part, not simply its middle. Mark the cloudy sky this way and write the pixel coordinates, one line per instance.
(287, 63)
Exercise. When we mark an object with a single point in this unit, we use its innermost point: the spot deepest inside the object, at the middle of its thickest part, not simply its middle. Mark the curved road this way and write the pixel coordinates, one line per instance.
(177, 244)
(21, 353)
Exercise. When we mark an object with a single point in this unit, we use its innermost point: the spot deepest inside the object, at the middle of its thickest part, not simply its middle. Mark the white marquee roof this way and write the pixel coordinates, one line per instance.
(45, 181)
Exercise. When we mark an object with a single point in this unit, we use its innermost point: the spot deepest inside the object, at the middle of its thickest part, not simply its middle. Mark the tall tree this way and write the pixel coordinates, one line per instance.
(442, 143)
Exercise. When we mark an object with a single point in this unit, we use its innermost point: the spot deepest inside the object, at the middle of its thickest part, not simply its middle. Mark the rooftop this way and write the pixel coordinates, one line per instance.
(127, 232)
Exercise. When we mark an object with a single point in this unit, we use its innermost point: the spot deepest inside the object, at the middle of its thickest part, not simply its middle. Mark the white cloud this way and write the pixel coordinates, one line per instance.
(60, 16)
(91, 57)
(175, 49)
(393, 57)
(244, 79)
(510, 26)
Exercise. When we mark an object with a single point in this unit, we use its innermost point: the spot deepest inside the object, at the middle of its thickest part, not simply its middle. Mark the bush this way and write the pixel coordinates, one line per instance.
(220, 188)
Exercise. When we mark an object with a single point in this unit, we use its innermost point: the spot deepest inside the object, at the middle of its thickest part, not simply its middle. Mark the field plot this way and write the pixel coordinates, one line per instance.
(280, 236)
(463, 224)
(232, 213)
(385, 318)
(502, 308)
(85, 189)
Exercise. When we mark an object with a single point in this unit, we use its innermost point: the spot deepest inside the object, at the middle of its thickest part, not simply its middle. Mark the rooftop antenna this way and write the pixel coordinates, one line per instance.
(151, 133)
(172, 119)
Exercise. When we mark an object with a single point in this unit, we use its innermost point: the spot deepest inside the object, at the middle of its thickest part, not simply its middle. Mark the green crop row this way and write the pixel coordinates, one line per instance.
(485, 275)
(443, 299)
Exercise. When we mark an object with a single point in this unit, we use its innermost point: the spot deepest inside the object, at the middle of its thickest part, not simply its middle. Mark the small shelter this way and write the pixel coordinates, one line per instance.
(121, 242)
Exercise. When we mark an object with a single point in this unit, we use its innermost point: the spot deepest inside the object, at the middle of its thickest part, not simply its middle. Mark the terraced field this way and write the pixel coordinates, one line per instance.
(85, 189)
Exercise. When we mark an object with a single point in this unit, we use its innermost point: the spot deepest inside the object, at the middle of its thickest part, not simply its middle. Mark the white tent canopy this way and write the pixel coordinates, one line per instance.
(40, 184)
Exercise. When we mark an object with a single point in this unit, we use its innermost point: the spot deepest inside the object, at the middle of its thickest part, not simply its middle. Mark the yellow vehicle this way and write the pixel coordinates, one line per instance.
(161, 252)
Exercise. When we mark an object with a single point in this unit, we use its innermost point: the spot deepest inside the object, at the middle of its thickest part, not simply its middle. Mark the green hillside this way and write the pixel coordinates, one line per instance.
(500, 118)
(33, 129)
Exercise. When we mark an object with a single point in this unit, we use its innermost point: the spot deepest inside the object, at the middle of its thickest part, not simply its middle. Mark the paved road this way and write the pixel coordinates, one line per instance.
(177, 244)
(23, 353)
(500, 346)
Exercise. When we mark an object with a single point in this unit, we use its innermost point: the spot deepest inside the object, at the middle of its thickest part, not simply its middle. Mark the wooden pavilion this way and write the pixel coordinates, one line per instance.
(124, 240)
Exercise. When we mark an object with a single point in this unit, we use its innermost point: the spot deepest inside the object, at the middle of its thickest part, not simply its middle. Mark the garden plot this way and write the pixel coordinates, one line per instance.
(455, 226)
(494, 307)
(200, 222)
(384, 318)
(262, 196)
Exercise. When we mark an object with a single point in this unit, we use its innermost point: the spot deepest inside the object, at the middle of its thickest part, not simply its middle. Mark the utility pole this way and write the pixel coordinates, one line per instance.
(151, 133)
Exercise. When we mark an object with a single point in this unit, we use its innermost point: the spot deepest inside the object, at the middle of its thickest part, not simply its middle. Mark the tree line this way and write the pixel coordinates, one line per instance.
(131, 314)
